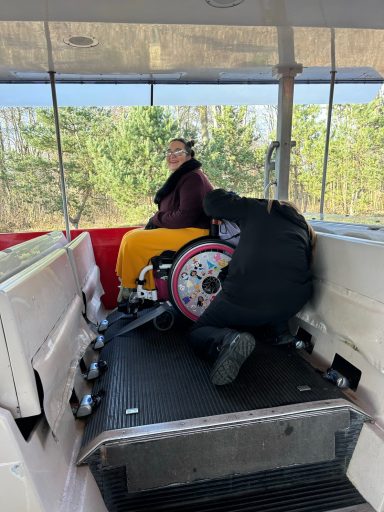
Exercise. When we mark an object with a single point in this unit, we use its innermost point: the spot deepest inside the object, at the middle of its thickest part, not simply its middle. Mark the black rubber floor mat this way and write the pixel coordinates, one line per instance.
(159, 375)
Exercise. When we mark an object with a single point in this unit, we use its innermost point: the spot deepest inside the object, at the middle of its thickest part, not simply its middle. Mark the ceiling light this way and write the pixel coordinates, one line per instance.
(224, 3)
(81, 41)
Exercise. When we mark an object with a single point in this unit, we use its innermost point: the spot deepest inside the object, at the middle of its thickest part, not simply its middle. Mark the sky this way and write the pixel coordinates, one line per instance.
(39, 95)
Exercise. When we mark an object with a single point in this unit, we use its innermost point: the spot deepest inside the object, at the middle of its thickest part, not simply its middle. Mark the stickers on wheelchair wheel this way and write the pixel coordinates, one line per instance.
(197, 280)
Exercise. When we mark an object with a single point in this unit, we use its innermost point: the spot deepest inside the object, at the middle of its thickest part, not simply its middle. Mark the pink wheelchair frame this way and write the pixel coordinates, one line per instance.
(187, 282)
(192, 281)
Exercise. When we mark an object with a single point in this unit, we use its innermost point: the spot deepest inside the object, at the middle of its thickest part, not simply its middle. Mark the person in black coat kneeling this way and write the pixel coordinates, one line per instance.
(269, 279)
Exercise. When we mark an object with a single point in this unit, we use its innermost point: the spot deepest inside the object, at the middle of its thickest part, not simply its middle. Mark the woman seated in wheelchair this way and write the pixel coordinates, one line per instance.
(180, 218)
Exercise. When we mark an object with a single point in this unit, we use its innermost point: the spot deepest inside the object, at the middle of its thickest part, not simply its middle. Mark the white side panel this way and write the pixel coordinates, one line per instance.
(87, 275)
(82, 256)
(354, 264)
(17, 489)
(8, 396)
(350, 317)
(31, 304)
(346, 312)
(93, 292)
(40, 475)
(366, 469)
(57, 360)
(350, 230)
(348, 300)
(16, 258)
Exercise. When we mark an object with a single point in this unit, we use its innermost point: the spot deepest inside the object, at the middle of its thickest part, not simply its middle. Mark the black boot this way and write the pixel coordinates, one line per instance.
(236, 348)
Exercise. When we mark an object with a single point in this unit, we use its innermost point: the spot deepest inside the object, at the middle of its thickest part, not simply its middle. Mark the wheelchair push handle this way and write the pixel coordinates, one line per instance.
(214, 228)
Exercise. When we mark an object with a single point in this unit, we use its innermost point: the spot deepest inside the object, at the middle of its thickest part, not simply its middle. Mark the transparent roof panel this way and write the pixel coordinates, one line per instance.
(39, 95)
(307, 94)
(75, 95)
(223, 94)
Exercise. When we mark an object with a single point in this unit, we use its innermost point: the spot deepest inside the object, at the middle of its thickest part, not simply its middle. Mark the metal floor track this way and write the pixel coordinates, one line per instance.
(159, 375)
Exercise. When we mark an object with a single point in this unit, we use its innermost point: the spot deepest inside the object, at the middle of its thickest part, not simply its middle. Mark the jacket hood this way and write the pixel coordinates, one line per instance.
(290, 213)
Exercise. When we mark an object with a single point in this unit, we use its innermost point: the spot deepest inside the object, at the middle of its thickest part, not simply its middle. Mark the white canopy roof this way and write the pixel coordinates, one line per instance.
(188, 41)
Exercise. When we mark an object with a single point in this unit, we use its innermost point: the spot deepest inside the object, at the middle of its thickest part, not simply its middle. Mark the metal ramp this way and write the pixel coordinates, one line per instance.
(274, 491)
(164, 438)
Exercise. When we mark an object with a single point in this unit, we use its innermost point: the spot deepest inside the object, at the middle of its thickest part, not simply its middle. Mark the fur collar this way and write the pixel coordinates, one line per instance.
(170, 185)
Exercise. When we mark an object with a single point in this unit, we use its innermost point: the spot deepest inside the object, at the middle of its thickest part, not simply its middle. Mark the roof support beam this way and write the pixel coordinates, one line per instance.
(286, 76)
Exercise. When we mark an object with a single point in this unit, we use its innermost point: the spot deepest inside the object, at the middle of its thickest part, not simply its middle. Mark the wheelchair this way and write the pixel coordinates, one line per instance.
(186, 282)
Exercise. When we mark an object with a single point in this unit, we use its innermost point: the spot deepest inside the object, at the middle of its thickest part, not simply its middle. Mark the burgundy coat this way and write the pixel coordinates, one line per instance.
(183, 207)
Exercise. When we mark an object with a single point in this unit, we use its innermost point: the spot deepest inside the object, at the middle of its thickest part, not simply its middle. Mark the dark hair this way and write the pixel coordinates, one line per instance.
(188, 145)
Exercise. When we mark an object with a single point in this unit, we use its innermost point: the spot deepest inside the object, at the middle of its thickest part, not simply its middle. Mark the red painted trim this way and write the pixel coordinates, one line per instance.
(106, 243)
(10, 239)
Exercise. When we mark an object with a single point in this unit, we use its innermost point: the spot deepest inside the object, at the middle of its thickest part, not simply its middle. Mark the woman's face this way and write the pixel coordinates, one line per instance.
(176, 155)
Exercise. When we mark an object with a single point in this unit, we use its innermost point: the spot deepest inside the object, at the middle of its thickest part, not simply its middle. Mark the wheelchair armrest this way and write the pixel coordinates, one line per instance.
(165, 257)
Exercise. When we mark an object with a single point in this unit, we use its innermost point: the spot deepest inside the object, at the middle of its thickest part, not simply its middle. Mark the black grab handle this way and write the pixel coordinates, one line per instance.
(214, 228)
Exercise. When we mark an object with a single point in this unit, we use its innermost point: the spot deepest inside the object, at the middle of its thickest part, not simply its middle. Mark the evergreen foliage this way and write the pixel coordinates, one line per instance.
(114, 159)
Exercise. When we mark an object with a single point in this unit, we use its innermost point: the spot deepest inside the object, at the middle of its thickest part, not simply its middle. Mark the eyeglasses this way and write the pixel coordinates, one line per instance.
(176, 153)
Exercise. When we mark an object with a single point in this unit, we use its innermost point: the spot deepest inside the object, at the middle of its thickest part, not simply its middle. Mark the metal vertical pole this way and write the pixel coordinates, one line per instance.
(329, 120)
(284, 131)
(151, 94)
(285, 71)
(326, 148)
(60, 155)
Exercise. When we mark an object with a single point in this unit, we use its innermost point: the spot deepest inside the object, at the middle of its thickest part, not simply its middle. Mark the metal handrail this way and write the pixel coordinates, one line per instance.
(60, 156)
(329, 121)
(269, 166)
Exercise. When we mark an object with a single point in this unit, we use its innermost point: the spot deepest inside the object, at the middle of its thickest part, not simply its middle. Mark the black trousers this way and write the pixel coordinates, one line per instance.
(223, 318)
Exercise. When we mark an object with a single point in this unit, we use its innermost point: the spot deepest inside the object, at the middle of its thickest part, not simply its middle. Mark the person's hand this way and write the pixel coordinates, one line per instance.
(150, 225)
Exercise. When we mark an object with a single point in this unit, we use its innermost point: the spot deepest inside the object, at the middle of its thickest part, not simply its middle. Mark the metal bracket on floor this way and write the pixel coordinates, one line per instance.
(147, 317)
(116, 318)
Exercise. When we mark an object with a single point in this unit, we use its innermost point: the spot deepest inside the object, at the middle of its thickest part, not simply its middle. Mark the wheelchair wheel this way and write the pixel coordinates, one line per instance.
(165, 321)
(193, 279)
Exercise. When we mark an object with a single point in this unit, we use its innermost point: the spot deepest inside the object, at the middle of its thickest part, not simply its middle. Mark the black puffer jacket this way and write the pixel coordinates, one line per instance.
(270, 269)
